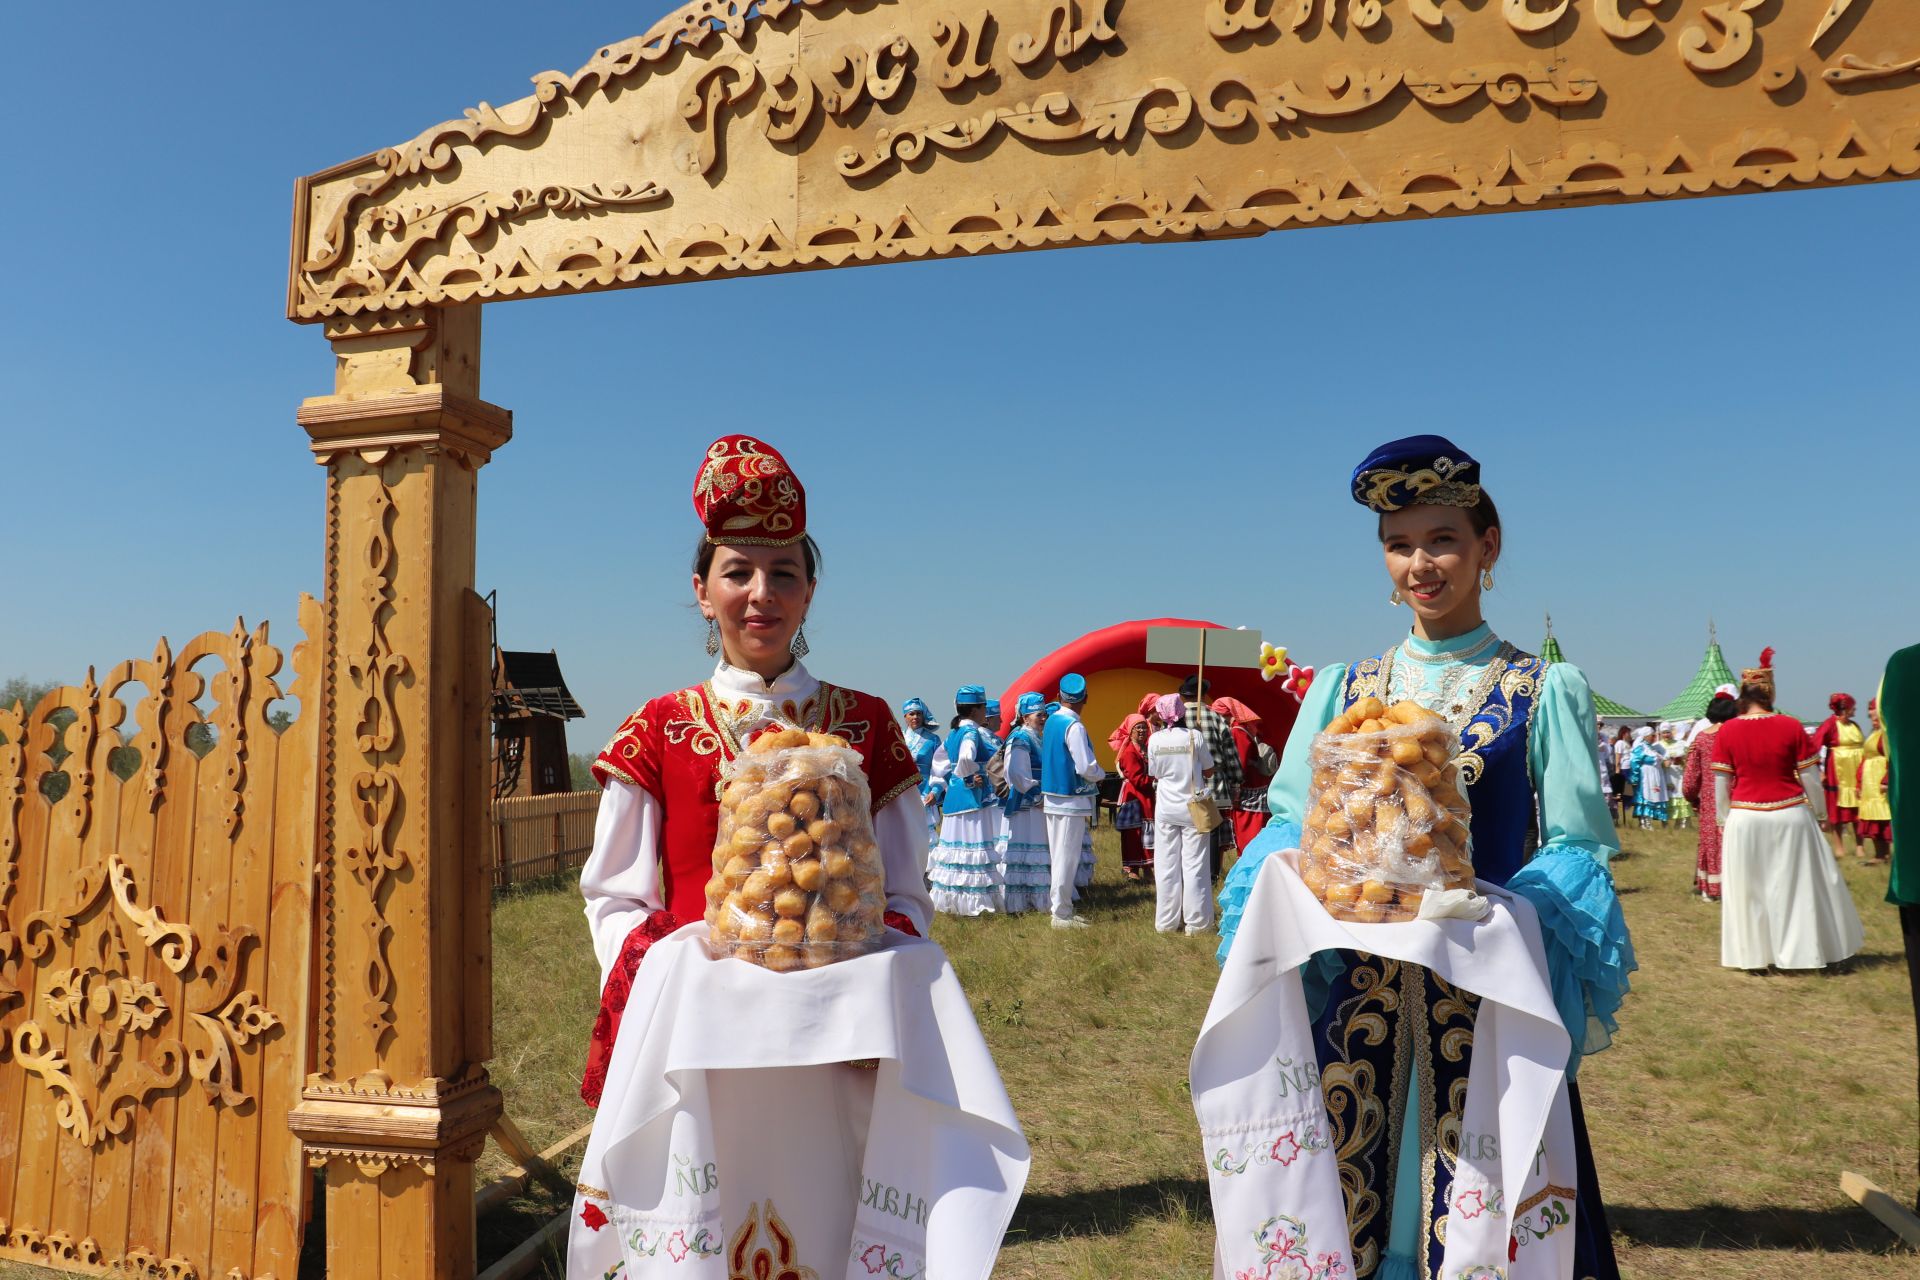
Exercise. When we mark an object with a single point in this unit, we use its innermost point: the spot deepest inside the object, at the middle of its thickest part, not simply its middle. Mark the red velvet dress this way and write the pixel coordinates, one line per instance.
(673, 748)
(1697, 786)
(1765, 754)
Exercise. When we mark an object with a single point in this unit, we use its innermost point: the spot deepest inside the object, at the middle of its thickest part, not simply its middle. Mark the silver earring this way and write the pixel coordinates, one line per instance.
(799, 646)
(1396, 599)
(1486, 579)
(713, 638)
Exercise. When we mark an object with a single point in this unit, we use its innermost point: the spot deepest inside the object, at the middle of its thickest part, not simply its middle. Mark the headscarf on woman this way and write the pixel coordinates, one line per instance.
(1171, 708)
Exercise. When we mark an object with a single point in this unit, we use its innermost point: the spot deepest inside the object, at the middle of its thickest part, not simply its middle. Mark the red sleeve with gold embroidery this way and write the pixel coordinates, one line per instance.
(891, 772)
(633, 754)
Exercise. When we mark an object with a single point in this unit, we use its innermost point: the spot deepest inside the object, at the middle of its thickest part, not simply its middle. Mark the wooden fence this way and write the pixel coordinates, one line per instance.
(535, 836)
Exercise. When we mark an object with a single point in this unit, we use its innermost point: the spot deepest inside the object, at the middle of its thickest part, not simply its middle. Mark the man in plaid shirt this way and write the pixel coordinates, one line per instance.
(1217, 731)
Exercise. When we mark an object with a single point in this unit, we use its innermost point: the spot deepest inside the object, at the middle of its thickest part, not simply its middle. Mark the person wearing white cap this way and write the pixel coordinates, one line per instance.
(1069, 783)
(1181, 765)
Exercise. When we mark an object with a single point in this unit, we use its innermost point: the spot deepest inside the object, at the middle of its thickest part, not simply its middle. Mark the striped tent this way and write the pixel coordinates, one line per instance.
(1606, 708)
(1714, 672)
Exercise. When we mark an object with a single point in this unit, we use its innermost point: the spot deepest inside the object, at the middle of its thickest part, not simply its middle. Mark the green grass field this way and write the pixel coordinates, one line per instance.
(1722, 1117)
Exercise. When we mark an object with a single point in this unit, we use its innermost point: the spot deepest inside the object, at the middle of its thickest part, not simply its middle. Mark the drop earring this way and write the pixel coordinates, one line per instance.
(1396, 599)
(713, 638)
(1486, 578)
(799, 646)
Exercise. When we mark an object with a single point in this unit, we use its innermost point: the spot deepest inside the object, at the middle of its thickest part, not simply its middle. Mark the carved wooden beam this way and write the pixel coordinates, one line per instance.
(738, 139)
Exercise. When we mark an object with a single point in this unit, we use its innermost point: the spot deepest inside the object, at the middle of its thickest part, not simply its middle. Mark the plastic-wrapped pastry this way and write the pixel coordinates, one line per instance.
(1386, 818)
(798, 881)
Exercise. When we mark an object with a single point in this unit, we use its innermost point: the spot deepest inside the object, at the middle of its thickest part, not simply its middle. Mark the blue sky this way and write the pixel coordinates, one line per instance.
(1703, 409)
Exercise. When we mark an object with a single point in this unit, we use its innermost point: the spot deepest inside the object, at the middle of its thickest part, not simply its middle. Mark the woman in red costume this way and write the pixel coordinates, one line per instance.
(1697, 785)
(1258, 763)
(754, 574)
(1134, 820)
(1784, 905)
(1840, 774)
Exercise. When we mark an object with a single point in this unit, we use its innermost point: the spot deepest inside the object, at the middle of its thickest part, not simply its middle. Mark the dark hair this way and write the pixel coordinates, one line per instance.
(1757, 695)
(809, 554)
(1194, 687)
(1722, 709)
(1483, 515)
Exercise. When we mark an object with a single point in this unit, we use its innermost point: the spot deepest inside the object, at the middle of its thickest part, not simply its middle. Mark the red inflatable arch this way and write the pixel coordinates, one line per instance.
(1114, 661)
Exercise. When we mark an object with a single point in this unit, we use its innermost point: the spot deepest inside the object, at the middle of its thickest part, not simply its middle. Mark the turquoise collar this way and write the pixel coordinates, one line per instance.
(1442, 648)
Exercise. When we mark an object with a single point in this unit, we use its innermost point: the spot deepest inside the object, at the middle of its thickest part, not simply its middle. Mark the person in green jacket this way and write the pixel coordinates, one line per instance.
(1900, 717)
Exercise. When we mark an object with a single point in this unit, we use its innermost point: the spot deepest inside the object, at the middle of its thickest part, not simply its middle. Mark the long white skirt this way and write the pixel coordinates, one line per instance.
(1783, 902)
(1026, 867)
(963, 870)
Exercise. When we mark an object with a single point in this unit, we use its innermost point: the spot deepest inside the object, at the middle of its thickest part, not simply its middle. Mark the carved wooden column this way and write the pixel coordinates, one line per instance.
(399, 1104)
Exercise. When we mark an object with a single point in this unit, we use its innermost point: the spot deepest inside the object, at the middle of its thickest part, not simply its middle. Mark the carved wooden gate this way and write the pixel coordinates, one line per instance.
(155, 923)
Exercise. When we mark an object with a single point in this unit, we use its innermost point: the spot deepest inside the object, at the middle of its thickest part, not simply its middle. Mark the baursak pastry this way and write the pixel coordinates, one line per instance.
(797, 878)
(1386, 819)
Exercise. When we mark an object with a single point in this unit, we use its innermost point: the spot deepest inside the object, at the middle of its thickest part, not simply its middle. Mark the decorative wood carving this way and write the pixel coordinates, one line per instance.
(739, 138)
(125, 979)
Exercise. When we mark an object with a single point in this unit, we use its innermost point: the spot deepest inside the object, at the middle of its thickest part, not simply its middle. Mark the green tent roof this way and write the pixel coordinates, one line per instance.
(1550, 654)
(1693, 700)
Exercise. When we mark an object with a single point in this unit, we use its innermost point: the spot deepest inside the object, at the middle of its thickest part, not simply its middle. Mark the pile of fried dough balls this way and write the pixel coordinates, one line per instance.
(797, 879)
(1386, 819)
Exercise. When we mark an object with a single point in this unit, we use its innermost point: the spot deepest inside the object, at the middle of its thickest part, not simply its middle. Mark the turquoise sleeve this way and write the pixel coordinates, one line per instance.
(1589, 951)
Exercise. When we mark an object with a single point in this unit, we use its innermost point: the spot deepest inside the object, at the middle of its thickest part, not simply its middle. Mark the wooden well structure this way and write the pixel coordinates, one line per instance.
(223, 968)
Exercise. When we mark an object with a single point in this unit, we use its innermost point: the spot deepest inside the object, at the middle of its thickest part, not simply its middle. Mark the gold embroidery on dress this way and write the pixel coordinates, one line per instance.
(1358, 1121)
(744, 1262)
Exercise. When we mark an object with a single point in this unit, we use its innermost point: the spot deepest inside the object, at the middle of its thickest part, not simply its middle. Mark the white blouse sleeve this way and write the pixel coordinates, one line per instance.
(968, 764)
(1019, 776)
(901, 831)
(621, 881)
(942, 767)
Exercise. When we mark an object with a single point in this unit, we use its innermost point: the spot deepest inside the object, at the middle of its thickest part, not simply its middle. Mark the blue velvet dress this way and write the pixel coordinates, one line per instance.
(1395, 1042)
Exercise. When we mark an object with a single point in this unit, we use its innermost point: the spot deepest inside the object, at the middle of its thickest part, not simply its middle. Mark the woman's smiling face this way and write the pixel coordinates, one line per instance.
(759, 596)
(1435, 558)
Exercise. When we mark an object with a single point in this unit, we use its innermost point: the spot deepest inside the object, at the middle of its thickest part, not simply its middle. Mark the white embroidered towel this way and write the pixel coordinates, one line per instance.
(1275, 1182)
(732, 1126)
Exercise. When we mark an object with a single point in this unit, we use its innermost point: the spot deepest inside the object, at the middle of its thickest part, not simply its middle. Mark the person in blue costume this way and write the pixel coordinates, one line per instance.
(1540, 827)
(929, 756)
(1026, 868)
(963, 869)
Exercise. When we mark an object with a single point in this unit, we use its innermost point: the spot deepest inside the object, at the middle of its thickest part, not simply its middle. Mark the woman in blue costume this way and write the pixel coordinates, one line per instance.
(1540, 827)
(928, 755)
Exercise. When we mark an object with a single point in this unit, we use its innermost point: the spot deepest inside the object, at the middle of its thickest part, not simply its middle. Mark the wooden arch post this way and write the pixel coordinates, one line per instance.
(398, 1105)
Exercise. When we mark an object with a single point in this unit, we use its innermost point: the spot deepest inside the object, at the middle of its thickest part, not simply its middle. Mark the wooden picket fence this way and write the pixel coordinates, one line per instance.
(536, 836)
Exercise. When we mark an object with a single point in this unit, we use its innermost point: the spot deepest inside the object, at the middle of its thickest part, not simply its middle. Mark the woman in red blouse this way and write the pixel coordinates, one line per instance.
(1785, 905)
(754, 576)
(1136, 789)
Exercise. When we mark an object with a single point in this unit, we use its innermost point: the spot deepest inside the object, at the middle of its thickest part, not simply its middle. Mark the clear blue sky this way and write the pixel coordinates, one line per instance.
(1704, 408)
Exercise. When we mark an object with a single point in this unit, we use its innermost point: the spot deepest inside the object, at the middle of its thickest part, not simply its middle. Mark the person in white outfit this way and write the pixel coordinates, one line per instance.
(1181, 766)
(1069, 783)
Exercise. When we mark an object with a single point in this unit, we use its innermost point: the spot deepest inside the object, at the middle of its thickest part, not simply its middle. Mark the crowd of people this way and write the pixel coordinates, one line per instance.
(974, 820)
(1010, 816)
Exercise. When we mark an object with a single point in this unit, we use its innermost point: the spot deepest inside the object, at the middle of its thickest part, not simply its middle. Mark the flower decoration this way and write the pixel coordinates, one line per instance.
(1299, 680)
(1285, 1149)
(1273, 662)
(1471, 1204)
(592, 1216)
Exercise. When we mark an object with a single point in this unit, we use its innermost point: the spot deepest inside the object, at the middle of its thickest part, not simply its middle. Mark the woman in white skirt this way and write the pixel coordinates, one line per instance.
(1026, 867)
(1784, 904)
(963, 869)
(1180, 765)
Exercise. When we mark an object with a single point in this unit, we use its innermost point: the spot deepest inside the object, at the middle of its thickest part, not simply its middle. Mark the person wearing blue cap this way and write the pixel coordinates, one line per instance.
(997, 775)
(963, 869)
(1070, 782)
(929, 757)
(1540, 828)
(1026, 867)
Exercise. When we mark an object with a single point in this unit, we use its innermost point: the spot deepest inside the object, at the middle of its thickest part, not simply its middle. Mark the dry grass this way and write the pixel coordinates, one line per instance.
(1722, 1117)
